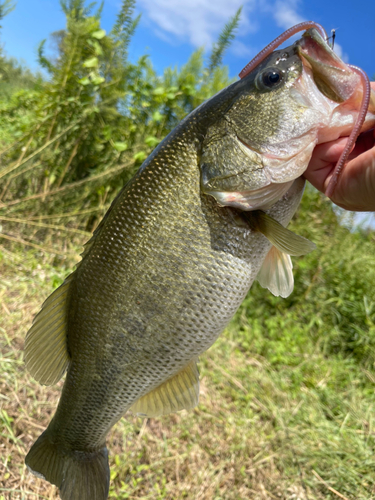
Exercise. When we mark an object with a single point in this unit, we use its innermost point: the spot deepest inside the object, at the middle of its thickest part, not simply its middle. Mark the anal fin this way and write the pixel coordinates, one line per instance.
(276, 273)
(177, 393)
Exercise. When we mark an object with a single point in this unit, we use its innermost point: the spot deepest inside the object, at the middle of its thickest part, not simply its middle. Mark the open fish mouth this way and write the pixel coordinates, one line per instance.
(337, 82)
(332, 76)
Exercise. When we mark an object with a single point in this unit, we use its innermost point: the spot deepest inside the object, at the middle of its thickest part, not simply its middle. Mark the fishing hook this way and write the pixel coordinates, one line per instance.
(332, 37)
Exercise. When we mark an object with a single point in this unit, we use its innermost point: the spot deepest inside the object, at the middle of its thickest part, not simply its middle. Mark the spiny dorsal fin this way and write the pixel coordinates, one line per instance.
(178, 393)
(284, 240)
(46, 351)
(276, 273)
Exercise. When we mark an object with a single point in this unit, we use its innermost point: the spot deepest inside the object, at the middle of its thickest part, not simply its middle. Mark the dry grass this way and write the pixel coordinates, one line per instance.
(250, 437)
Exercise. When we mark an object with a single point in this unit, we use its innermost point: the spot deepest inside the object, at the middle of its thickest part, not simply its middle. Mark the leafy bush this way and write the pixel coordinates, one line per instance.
(78, 137)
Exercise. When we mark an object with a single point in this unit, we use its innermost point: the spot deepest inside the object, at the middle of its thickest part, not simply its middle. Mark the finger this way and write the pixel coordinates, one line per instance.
(323, 161)
(326, 155)
(355, 189)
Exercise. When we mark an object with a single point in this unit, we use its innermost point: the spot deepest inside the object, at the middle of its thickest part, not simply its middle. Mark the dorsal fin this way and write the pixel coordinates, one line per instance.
(276, 273)
(177, 393)
(46, 351)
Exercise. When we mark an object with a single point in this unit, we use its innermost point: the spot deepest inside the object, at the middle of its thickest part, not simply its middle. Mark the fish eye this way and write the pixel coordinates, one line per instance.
(269, 79)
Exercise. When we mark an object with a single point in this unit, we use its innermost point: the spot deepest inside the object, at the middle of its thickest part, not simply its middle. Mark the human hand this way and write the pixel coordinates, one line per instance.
(355, 189)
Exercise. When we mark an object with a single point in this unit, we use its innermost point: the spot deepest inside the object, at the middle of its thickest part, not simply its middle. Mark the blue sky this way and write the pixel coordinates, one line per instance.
(170, 29)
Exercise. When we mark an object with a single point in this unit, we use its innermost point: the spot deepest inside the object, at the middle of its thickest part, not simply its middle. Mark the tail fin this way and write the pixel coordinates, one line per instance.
(79, 475)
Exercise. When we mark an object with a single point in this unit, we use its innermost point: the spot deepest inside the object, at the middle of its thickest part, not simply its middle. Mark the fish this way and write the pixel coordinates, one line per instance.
(177, 252)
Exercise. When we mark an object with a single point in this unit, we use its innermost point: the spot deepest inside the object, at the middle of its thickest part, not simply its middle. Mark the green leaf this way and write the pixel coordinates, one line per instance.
(98, 34)
(97, 80)
(93, 62)
(189, 90)
(97, 48)
(152, 141)
(120, 146)
(84, 81)
(157, 116)
(107, 132)
(159, 91)
(140, 156)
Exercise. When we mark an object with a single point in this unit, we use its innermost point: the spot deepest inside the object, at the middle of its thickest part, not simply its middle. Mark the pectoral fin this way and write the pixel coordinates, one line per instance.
(276, 273)
(178, 393)
(46, 351)
(284, 240)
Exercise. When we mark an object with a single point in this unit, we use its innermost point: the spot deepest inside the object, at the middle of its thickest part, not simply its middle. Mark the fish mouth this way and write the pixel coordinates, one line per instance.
(331, 75)
(337, 83)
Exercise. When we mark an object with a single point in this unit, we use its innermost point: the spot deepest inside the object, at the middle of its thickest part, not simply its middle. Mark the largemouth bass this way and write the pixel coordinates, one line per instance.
(176, 254)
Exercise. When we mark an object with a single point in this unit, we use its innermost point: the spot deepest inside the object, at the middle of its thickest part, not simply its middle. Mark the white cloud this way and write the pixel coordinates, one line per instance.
(241, 49)
(339, 51)
(199, 22)
(196, 21)
(285, 13)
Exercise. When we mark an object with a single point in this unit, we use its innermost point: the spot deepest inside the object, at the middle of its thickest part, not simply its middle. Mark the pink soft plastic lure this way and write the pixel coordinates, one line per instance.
(362, 110)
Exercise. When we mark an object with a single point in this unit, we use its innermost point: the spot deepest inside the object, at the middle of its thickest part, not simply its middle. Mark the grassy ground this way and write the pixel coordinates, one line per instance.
(283, 413)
